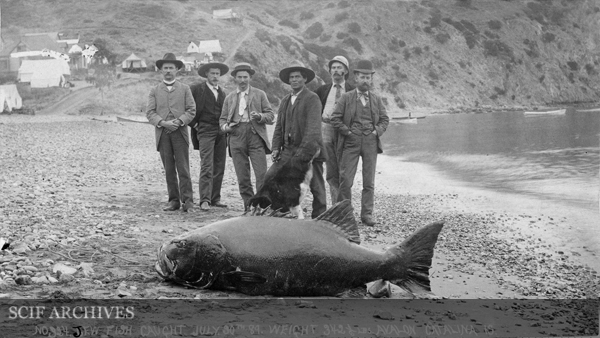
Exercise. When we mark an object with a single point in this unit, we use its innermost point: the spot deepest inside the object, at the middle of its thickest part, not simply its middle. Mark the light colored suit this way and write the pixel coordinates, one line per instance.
(248, 142)
(179, 101)
(257, 101)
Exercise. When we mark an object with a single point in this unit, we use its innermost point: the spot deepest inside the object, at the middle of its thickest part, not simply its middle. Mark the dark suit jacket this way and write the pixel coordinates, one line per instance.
(324, 90)
(198, 92)
(344, 112)
(257, 101)
(305, 122)
(179, 101)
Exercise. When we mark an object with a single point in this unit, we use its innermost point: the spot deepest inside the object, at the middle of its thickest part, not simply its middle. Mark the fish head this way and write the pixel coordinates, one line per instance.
(193, 260)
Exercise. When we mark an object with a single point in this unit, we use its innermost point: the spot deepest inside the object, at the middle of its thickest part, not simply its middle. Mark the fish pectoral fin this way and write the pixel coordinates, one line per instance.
(245, 277)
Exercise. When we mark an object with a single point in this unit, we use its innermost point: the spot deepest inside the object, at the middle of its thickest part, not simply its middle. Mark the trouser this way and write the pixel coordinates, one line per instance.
(356, 146)
(212, 145)
(317, 184)
(247, 146)
(330, 136)
(175, 156)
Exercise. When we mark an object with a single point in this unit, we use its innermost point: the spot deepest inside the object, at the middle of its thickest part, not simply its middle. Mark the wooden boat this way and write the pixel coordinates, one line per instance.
(588, 110)
(137, 119)
(549, 112)
(409, 121)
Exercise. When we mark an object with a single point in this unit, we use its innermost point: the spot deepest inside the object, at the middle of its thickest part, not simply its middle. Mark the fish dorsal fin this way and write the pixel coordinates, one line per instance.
(341, 217)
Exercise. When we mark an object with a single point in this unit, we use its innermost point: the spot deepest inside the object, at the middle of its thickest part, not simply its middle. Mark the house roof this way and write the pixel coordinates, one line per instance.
(39, 42)
(8, 49)
(209, 46)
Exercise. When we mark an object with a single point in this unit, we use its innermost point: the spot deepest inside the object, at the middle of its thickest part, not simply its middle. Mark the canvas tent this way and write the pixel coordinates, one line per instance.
(44, 73)
(209, 46)
(224, 14)
(133, 63)
(10, 98)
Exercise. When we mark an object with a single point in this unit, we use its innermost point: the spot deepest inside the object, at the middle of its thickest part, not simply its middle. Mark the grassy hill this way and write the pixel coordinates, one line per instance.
(429, 55)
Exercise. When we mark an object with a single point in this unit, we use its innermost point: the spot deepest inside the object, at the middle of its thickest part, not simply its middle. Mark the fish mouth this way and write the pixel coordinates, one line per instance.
(164, 266)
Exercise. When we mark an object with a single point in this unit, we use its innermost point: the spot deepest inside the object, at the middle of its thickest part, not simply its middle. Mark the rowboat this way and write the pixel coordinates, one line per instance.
(550, 112)
(408, 121)
(588, 110)
(138, 119)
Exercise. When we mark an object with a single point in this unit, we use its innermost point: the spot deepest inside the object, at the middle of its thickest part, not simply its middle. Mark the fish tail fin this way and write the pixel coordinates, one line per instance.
(407, 264)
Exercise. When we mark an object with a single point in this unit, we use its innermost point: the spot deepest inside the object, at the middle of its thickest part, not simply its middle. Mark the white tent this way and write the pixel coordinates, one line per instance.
(133, 62)
(209, 46)
(9, 97)
(44, 73)
(224, 14)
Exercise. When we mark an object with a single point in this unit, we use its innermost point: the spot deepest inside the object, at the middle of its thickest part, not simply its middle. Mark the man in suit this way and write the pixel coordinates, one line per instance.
(339, 70)
(207, 136)
(360, 118)
(298, 121)
(244, 117)
(170, 108)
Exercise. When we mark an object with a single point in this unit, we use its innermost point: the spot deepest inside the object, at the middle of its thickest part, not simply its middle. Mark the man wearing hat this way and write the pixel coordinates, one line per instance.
(339, 70)
(170, 108)
(360, 118)
(208, 136)
(245, 114)
(298, 121)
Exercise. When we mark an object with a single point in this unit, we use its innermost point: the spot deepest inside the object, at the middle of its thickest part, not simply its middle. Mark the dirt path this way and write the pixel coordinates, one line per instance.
(237, 45)
(71, 102)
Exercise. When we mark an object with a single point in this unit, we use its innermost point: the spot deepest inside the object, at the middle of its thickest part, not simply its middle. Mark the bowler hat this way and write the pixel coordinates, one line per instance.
(343, 61)
(221, 66)
(242, 66)
(364, 66)
(296, 66)
(169, 58)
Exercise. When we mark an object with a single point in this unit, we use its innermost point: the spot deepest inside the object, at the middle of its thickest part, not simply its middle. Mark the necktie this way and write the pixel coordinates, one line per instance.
(242, 103)
(338, 92)
(363, 97)
(216, 92)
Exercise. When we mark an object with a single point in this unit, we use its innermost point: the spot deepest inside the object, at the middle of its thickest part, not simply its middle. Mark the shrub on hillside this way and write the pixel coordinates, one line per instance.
(433, 75)
(289, 23)
(495, 24)
(399, 102)
(259, 20)
(573, 66)
(343, 4)
(491, 35)
(354, 43)
(354, 28)
(307, 15)
(342, 35)
(326, 52)
(406, 55)
(442, 37)
(340, 17)
(286, 42)
(499, 49)
(417, 50)
(314, 31)
(245, 56)
(265, 37)
(436, 19)
(325, 38)
(548, 37)
(590, 70)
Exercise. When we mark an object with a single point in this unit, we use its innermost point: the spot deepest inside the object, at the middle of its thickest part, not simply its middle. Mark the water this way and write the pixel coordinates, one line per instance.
(550, 157)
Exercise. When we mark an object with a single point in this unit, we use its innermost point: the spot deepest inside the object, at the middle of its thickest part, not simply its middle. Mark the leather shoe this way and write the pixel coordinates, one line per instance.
(368, 221)
(204, 206)
(219, 205)
(172, 207)
(188, 207)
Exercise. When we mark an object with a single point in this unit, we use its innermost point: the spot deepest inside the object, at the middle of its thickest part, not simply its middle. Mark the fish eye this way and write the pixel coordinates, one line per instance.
(181, 244)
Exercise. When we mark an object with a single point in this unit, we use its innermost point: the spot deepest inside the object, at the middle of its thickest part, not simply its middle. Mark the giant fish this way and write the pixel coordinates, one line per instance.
(261, 255)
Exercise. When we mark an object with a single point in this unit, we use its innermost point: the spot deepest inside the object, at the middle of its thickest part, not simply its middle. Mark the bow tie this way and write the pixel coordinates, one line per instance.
(168, 84)
(365, 95)
(215, 88)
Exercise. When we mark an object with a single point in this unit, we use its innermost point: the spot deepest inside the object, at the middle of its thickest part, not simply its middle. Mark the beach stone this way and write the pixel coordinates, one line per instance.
(23, 280)
(66, 278)
(52, 279)
(62, 269)
(19, 247)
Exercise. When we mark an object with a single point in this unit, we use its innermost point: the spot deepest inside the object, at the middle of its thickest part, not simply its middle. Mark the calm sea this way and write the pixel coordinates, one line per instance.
(550, 157)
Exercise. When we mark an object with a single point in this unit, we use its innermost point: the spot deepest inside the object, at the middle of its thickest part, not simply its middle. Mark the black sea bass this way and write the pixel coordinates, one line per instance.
(259, 255)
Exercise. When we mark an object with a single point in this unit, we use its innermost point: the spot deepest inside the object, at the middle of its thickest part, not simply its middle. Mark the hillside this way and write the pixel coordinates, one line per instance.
(429, 55)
